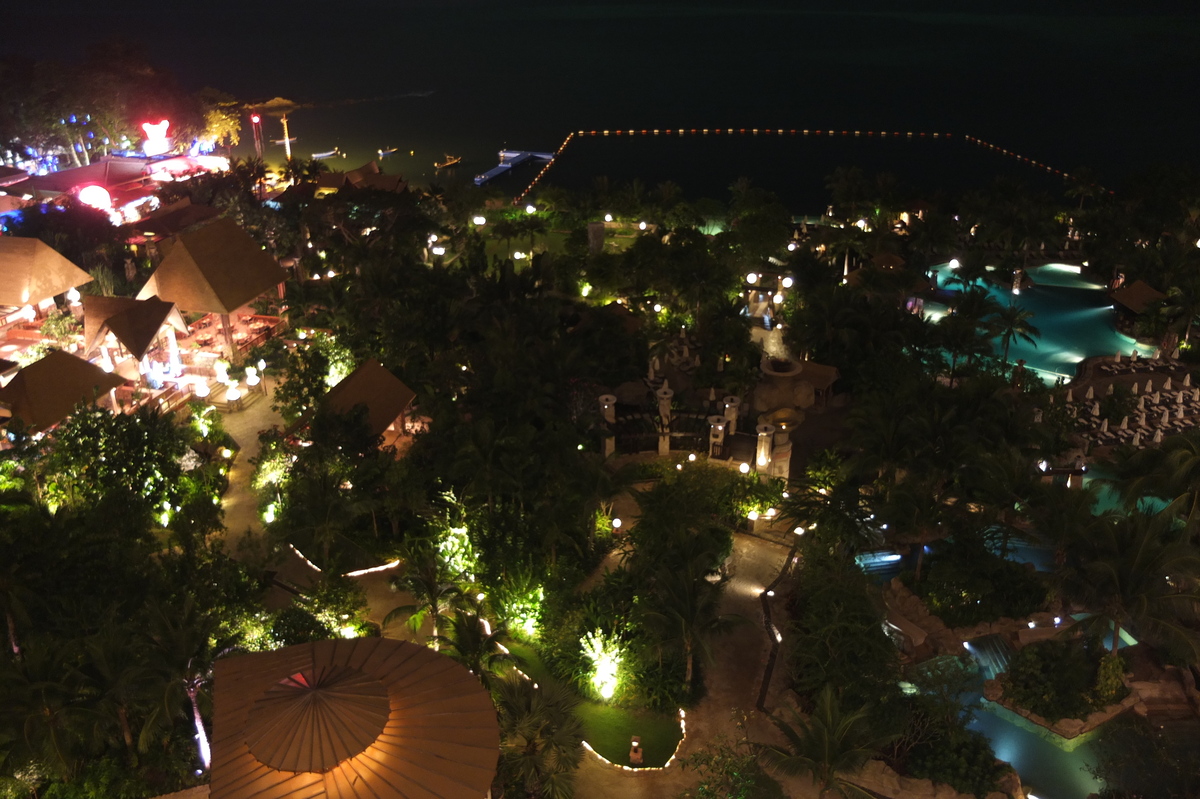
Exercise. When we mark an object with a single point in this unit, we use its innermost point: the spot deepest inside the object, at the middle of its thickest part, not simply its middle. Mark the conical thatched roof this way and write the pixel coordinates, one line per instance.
(45, 392)
(217, 268)
(383, 394)
(32, 271)
(359, 718)
(135, 323)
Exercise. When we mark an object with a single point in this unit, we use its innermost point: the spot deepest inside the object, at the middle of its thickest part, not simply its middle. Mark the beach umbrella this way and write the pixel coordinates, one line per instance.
(1179, 398)
(1070, 396)
(1135, 389)
(1137, 439)
(1142, 419)
(712, 395)
(1196, 395)
(1179, 412)
(1157, 397)
(655, 363)
(1157, 354)
(1165, 420)
(1090, 394)
(1117, 357)
(1187, 380)
(1149, 386)
(1167, 384)
(1124, 422)
(1104, 426)
(1110, 390)
(1157, 437)
(1141, 403)
(1133, 356)
(666, 384)
(1095, 409)
(1175, 354)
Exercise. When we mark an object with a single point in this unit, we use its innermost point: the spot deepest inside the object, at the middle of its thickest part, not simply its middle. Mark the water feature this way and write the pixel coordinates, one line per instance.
(1047, 771)
(1072, 312)
(1050, 767)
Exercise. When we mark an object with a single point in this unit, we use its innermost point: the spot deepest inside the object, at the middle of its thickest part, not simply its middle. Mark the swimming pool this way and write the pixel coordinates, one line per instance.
(1073, 313)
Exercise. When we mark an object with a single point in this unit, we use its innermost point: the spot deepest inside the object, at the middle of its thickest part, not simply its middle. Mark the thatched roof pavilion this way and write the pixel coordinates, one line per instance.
(32, 271)
(45, 392)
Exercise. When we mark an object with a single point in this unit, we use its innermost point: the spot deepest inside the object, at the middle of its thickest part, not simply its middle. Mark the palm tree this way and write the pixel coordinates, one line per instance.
(541, 737)
(916, 514)
(116, 675)
(834, 513)
(1012, 322)
(1136, 571)
(827, 745)
(474, 644)
(684, 610)
(426, 578)
(41, 703)
(185, 650)
(533, 225)
(1171, 471)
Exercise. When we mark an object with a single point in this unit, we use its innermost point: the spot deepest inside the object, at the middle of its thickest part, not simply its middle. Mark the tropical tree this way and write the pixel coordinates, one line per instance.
(540, 738)
(830, 746)
(476, 645)
(1137, 571)
(1171, 471)
(117, 678)
(1012, 323)
(684, 611)
(428, 580)
(185, 646)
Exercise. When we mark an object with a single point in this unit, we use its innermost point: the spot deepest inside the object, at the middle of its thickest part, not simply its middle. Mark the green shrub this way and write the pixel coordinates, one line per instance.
(837, 636)
(962, 759)
(296, 625)
(966, 584)
(1063, 679)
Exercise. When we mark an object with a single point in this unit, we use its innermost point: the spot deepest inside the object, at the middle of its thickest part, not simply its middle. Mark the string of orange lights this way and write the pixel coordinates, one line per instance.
(881, 134)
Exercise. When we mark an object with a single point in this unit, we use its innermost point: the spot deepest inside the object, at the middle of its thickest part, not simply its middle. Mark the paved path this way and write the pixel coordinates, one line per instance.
(732, 682)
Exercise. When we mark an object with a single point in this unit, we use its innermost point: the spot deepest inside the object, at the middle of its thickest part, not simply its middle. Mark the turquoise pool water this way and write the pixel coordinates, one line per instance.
(1047, 771)
(1073, 313)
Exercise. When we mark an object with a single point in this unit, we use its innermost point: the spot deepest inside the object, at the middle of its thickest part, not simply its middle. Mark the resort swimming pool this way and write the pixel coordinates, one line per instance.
(1073, 313)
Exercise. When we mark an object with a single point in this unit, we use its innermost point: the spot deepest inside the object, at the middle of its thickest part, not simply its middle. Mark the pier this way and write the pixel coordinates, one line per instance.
(509, 159)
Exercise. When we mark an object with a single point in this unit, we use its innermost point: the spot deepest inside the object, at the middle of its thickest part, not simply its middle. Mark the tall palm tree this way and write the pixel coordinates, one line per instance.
(427, 579)
(1012, 323)
(829, 746)
(541, 737)
(684, 610)
(117, 676)
(475, 645)
(185, 648)
(1137, 571)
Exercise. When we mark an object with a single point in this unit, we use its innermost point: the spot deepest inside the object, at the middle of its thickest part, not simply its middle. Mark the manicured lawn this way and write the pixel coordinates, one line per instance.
(609, 729)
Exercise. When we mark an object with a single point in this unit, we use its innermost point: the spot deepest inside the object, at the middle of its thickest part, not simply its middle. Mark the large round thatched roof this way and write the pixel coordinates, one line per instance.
(367, 717)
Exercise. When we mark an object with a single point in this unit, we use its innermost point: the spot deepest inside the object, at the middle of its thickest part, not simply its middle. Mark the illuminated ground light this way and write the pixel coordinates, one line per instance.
(605, 654)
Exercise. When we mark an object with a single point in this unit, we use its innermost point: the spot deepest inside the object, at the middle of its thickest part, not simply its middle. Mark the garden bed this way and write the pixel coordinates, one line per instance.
(609, 729)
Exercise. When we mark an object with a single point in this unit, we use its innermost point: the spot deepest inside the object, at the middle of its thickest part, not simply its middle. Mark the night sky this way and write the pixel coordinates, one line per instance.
(1105, 84)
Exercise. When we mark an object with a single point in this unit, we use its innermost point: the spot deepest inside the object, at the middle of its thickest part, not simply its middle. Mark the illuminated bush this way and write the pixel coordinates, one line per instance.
(605, 653)
(457, 552)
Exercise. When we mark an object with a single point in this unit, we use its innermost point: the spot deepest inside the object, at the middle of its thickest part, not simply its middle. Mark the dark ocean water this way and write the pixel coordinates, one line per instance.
(1104, 84)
